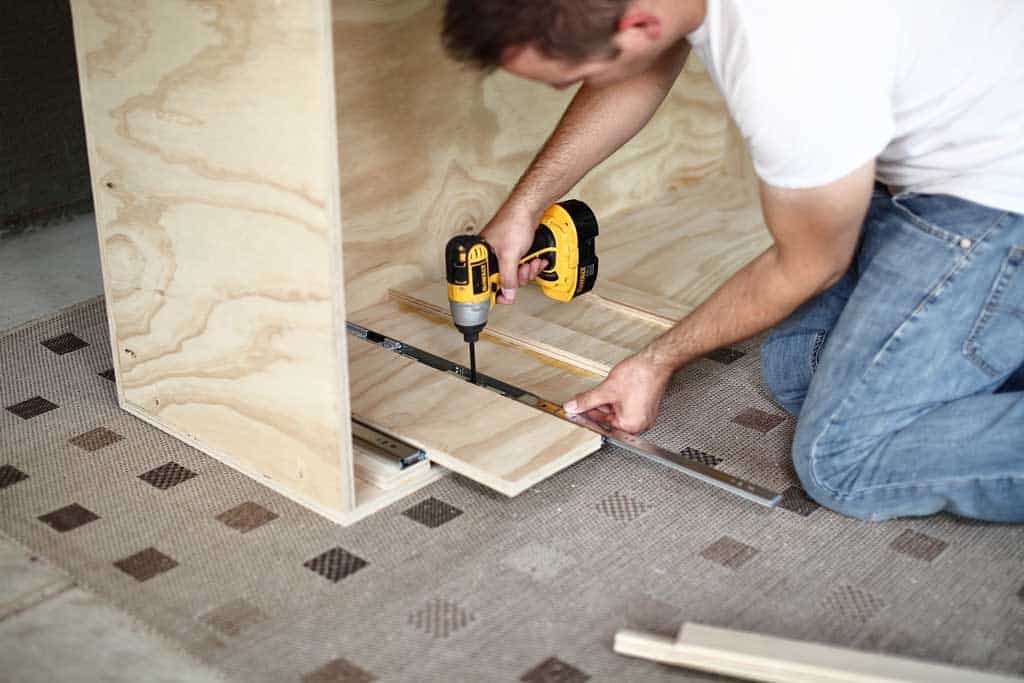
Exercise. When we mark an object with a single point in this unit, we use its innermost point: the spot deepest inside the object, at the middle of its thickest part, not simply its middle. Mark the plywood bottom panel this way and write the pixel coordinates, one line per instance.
(370, 498)
(491, 439)
(550, 379)
(383, 471)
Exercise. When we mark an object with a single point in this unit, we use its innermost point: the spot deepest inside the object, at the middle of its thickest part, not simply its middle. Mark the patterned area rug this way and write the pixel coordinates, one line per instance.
(458, 583)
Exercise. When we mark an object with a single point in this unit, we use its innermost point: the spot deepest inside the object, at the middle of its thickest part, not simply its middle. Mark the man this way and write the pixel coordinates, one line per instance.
(888, 138)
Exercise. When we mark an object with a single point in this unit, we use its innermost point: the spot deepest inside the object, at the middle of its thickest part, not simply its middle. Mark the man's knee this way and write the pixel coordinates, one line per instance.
(787, 364)
(840, 476)
(832, 474)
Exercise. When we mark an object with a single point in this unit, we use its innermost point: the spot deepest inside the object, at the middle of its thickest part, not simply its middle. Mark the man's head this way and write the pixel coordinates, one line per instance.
(563, 42)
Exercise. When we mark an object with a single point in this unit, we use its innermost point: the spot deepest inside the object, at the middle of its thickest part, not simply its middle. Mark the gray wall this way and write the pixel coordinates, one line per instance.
(44, 174)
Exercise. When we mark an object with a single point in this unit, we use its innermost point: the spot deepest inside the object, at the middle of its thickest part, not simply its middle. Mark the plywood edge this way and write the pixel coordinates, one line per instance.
(383, 471)
(525, 331)
(97, 195)
(371, 499)
(534, 477)
(653, 309)
(641, 645)
(324, 13)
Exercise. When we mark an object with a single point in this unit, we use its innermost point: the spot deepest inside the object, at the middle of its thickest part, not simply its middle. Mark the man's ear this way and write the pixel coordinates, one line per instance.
(641, 22)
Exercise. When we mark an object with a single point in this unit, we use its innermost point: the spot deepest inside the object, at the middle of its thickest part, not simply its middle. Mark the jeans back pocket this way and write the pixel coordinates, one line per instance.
(996, 342)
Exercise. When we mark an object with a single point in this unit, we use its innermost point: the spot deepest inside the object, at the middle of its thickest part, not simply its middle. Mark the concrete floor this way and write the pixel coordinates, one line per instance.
(50, 628)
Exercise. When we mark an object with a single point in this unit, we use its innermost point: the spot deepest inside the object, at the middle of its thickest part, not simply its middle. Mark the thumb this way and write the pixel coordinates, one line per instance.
(508, 264)
(586, 401)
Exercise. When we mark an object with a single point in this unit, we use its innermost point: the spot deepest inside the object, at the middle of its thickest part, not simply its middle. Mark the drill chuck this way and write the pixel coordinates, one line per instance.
(470, 317)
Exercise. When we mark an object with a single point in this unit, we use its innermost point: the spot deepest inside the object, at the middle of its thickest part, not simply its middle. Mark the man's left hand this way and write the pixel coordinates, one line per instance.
(629, 397)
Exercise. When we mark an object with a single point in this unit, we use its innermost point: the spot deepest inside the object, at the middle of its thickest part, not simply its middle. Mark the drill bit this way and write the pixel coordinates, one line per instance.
(472, 363)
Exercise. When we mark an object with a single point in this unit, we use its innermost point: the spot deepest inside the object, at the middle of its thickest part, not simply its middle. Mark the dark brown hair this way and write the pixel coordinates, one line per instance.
(480, 31)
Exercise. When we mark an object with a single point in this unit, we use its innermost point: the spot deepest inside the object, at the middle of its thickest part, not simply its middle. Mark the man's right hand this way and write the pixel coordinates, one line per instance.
(510, 233)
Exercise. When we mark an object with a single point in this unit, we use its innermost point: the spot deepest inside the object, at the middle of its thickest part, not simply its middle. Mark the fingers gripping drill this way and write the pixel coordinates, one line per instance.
(565, 238)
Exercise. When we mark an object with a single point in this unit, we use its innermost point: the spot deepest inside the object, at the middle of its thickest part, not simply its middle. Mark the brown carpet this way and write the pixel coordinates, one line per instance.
(461, 584)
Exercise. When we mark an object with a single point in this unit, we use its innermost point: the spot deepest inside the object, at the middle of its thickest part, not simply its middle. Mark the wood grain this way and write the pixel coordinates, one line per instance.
(582, 333)
(491, 439)
(756, 657)
(541, 375)
(382, 471)
(227, 141)
(371, 498)
(682, 247)
(657, 262)
(215, 187)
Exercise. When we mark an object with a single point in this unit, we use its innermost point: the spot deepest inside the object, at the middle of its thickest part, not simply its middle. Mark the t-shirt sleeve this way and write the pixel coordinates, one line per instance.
(811, 96)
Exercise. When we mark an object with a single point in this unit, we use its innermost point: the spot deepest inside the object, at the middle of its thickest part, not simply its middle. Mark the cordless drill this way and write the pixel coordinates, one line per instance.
(565, 238)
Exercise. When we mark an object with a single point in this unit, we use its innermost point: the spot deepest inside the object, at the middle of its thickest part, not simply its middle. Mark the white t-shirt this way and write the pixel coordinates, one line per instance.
(932, 89)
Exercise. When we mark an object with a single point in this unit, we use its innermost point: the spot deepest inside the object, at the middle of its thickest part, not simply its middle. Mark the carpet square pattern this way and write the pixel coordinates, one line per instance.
(458, 583)
(247, 517)
(167, 475)
(145, 564)
(64, 343)
(335, 564)
(68, 518)
(432, 512)
(95, 439)
(233, 617)
(33, 407)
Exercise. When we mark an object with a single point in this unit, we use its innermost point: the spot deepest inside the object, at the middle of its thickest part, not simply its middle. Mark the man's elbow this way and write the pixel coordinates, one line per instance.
(831, 277)
(814, 278)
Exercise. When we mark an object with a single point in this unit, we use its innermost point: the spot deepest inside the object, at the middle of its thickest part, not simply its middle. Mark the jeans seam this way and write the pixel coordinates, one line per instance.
(863, 491)
(819, 344)
(876, 362)
(1007, 270)
(926, 226)
(941, 233)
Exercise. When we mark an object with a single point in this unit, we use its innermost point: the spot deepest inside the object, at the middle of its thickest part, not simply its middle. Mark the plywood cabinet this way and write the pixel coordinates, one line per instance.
(264, 171)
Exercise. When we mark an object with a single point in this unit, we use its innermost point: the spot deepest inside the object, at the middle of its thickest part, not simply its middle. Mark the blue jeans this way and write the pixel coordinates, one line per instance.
(906, 375)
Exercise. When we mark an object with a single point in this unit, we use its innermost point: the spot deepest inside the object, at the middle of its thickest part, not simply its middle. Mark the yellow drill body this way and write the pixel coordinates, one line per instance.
(565, 237)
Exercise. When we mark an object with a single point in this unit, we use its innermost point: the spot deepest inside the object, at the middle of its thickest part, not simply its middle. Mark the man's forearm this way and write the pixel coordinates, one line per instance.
(757, 297)
(598, 121)
(816, 233)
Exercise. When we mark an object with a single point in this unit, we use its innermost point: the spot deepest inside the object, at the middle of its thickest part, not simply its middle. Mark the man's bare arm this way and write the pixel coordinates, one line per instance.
(598, 121)
(816, 233)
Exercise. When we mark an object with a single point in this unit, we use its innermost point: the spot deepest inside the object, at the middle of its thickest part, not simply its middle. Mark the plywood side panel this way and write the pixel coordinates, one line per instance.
(683, 246)
(491, 439)
(216, 205)
(429, 148)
